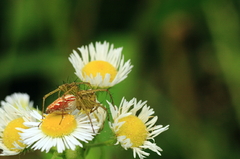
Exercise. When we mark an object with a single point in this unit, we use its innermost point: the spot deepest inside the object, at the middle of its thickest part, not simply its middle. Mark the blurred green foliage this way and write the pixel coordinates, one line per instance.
(185, 55)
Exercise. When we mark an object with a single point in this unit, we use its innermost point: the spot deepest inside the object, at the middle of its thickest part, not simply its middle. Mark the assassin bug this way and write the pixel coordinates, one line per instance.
(73, 97)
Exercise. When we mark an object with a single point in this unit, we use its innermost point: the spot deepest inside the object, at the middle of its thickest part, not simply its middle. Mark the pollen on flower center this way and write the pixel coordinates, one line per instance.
(56, 125)
(134, 129)
(101, 67)
(10, 134)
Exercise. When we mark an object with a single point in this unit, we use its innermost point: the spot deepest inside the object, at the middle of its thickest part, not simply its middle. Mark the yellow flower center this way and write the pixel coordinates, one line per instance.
(134, 129)
(56, 125)
(101, 67)
(10, 134)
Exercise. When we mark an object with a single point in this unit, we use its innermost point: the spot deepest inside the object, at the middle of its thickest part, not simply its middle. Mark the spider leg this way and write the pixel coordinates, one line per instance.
(72, 90)
(99, 105)
(104, 90)
(81, 106)
(61, 118)
(86, 83)
(47, 95)
(110, 95)
(90, 122)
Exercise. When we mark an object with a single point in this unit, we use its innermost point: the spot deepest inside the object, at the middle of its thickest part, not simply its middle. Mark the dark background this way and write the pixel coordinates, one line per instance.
(186, 57)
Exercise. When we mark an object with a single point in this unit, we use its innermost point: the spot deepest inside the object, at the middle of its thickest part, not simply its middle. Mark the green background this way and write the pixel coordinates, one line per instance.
(185, 54)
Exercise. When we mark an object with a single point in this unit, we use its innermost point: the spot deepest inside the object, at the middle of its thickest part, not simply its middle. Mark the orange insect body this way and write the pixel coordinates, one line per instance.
(62, 105)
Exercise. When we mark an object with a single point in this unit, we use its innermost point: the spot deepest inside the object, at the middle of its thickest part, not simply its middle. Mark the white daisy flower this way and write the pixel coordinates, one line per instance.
(13, 113)
(134, 127)
(101, 66)
(63, 131)
(22, 99)
(68, 104)
(100, 114)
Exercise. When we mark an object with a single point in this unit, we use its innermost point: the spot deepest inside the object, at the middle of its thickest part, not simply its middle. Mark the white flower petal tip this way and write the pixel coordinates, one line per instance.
(134, 127)
(14, 111)
(81, 130)
(105, 53)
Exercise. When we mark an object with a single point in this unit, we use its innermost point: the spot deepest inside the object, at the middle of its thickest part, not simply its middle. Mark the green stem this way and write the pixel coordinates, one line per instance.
(106, 143)
(56, 155)
(78, 153)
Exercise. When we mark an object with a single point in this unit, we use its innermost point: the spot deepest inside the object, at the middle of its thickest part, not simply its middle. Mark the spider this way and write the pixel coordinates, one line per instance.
(73, 97)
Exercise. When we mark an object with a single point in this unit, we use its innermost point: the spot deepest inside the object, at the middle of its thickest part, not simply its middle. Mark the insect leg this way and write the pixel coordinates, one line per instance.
(90, 122)
(47, 95)
(105, 90)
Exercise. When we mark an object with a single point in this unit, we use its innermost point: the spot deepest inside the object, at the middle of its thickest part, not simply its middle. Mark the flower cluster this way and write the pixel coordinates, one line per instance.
(102, 66)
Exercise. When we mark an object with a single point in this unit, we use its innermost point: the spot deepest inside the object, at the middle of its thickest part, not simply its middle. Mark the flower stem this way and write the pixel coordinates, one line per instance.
(56, 155)
(105, 143)
(78, 153)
